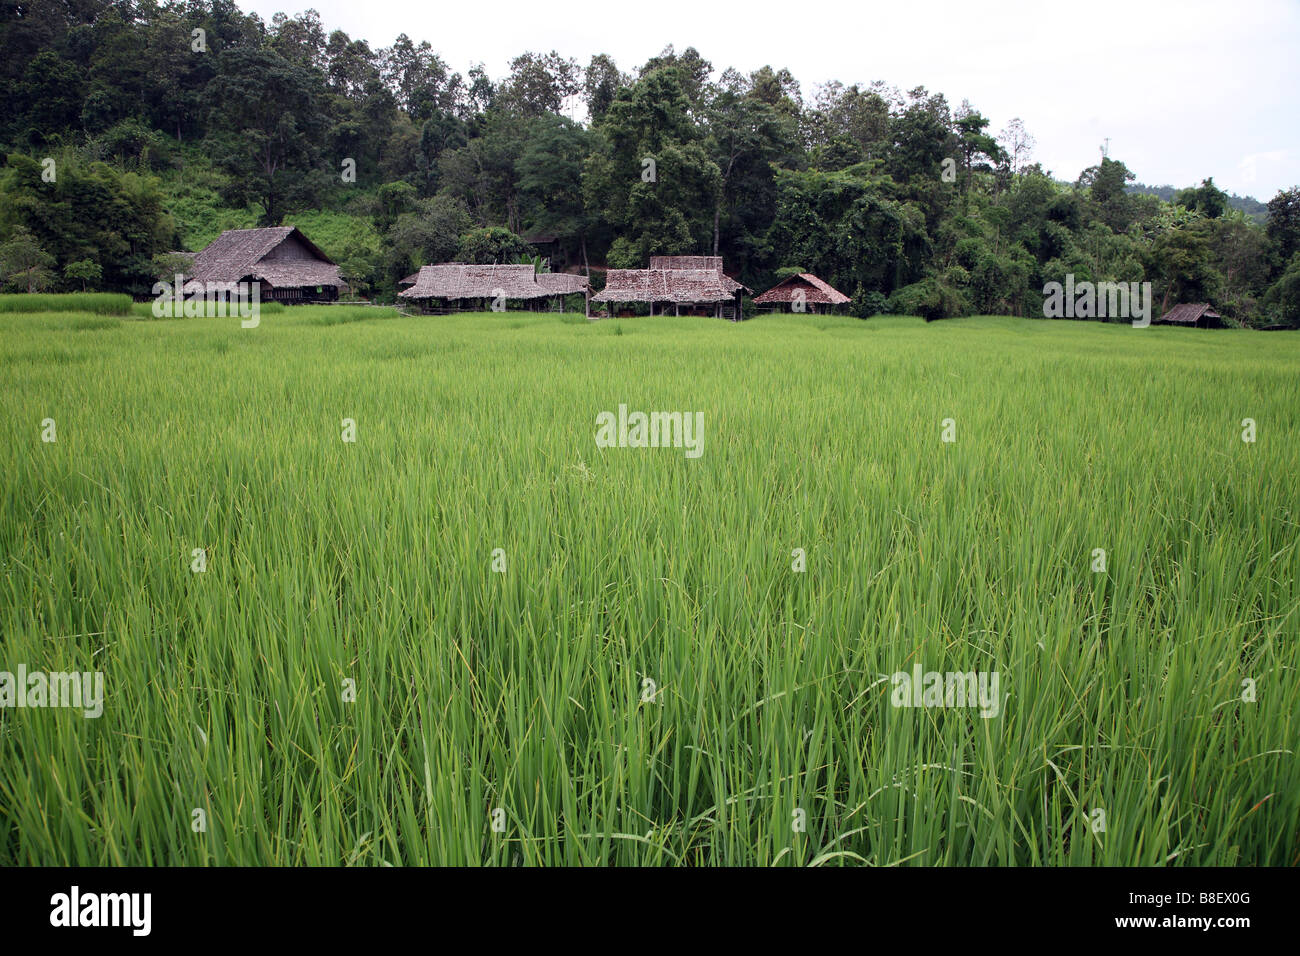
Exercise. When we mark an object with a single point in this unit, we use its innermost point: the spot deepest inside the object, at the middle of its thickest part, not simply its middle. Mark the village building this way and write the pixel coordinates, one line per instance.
(803, 292)
(287, 266)
(1196, 314)
(457, 286)
(562, 283)
(675, 285)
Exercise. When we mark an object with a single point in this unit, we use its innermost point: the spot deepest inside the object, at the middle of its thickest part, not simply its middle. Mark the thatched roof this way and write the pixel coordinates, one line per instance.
(455, 280)
(814, 290)
(665, 285)
(239, 254)
(1196, 313)
(671, 279)
(561, 283)
(707, 263)
(298, 273)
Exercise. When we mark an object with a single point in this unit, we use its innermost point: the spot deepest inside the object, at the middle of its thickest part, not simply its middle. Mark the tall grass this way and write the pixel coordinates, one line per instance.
(96, 303)
(525, 692)
(144, 310)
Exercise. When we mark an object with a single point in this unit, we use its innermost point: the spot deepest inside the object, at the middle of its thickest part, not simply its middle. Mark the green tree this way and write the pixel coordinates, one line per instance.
(91, 211)
(1207, 199)
(745, 135)
(267, 130)
(1181, 262)
(549, 172)
(692, 70)
(1281, 303)
(1105, 184)
(850, 228)
(84, 271)
(24, 265)
(422, 83)
(482, 173)
(1284, 222)
(649, 174)
(492, 244)
(540, 83)
(856, 119)
(977, 148)
(600, 82)
(428, 235)
(921, 139)
(165, 266)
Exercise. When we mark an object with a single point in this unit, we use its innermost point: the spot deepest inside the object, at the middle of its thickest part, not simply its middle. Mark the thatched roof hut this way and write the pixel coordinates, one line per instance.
(562, 283)
(457, 282)
(706, 263)
(1198, 314)
(288, 266)
(663, 285)
(805, 288)
(694, 283)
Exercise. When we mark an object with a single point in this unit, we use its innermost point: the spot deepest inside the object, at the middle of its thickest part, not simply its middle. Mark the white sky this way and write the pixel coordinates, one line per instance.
(1184, 89)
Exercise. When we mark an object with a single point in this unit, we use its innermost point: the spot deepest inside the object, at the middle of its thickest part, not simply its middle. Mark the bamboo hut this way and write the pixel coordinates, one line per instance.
(677, 285)
(559, 285)
(1196, 314)
(288, 266)
(802, 292)
(455, 287)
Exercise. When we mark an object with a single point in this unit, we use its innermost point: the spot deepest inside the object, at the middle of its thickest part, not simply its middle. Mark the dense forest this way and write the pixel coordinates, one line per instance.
(132, 129)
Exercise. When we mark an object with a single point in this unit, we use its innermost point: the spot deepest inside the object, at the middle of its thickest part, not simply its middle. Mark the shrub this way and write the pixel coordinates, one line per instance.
(1281, 303)
(931, 299)
(867, 304)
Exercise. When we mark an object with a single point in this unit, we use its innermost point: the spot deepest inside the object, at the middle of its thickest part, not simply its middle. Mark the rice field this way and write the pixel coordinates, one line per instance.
(95, 303)
(469, 635)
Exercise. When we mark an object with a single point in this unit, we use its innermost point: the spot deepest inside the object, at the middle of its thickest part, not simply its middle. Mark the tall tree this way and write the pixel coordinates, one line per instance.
(1017, 144)
(550, 181)
(745, 134)
(693, 71)
(649, 174)
(600, 82)
(978, 149)
(540, 83)
(264, 112)
(1284, 223)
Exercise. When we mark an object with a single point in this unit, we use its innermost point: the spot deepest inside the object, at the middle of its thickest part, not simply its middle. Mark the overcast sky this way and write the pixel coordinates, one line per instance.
(1184, 89)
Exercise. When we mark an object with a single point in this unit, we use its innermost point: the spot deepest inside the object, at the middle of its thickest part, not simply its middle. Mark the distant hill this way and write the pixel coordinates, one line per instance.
(1248, 204)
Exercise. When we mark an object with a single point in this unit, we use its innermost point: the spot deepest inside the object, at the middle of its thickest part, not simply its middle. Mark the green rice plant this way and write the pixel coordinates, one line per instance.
(343, 314)
(94, 323)
(144, 310)
(54, 322)
(472, 635)
(96, 303)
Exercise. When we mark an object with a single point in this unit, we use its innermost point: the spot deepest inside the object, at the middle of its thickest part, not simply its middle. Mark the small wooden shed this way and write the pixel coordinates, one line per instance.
(1197, 314)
